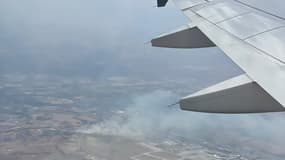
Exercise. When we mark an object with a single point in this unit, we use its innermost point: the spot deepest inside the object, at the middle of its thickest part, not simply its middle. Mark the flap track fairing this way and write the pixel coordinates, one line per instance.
(183, 37)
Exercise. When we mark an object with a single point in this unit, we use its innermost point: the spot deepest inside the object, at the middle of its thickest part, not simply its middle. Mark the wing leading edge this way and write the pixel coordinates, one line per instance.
(242, 32)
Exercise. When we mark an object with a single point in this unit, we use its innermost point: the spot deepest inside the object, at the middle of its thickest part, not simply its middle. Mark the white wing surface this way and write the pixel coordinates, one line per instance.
(253, 37)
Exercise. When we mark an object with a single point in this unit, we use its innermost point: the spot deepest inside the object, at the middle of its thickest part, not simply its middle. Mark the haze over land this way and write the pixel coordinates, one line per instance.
(79, 82)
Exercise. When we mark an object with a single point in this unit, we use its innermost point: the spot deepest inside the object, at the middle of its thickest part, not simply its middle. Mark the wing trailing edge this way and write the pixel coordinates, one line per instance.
(236, 95)
(183, 37)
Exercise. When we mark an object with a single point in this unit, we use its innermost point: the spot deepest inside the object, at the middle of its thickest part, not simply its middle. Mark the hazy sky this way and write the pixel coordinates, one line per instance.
(94, 38)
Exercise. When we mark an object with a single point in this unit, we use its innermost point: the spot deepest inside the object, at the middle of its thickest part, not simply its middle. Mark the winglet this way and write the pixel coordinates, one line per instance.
(161, 3)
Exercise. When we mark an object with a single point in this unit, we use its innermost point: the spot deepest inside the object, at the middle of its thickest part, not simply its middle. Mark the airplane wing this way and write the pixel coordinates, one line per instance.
(252, 37)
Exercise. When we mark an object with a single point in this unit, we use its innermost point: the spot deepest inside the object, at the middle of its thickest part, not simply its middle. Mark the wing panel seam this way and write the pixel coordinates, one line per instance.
(266, 31)
(261, 10)
(227, 19)
(265, 53)
(185, 9)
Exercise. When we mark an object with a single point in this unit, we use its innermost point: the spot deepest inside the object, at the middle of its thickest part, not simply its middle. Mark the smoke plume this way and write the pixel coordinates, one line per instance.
(149, 117)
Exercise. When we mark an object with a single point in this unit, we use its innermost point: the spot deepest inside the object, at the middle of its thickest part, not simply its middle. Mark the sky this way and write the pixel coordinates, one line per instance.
(99, 38)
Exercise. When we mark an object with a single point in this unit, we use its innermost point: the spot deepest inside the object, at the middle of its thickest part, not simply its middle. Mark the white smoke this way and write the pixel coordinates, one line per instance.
(148, 116)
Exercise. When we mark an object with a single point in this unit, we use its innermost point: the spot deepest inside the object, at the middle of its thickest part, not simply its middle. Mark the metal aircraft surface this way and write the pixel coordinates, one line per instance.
(252, 34)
